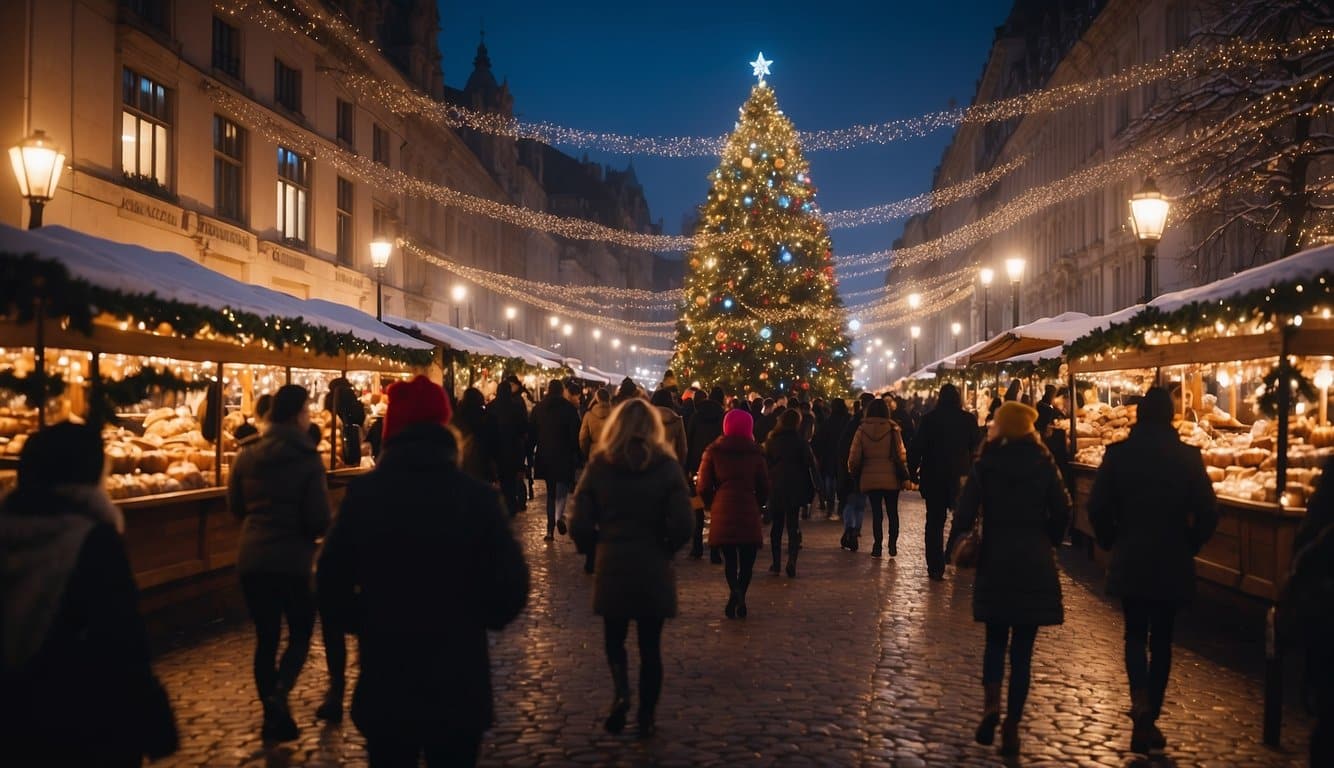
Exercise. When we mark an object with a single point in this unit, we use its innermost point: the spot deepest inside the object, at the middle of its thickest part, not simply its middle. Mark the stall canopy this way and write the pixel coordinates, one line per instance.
(543, 357)
(134, 269)
(519, 350)
(1048, 333)
(1306, 265)
(454, 338)
(579, 371)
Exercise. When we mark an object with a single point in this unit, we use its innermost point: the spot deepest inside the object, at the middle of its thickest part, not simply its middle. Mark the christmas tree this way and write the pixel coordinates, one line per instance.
(762, 310)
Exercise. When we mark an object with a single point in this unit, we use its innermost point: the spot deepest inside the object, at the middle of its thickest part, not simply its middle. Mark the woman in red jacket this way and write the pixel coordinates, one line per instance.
(734, 484)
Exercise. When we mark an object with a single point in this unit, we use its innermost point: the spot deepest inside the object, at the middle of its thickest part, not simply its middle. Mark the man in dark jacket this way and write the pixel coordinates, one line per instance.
(825, 445)
(1152, 505)
(408, 535)
(704, 427)
(279, 492)
(940, 457)
(1312, 560)
(511, 419)
(556, 427)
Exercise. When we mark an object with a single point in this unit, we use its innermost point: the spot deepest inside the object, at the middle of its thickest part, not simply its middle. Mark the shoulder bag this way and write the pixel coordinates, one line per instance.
(967, 551)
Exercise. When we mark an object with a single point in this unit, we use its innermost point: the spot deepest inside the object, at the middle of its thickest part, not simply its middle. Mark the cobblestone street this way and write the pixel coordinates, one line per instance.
(856, 662)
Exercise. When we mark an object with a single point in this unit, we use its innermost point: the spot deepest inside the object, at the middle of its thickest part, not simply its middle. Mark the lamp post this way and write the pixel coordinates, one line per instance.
(1148, 218)
(914, 301)
(916, 332)
(554, 322)
(597, 338)
(381, 249)
(616, 349)
(567, 331)
(459, 292)
(510, 314)
(37, 165)
(956, 328)
(1014, 268)
(986, 275)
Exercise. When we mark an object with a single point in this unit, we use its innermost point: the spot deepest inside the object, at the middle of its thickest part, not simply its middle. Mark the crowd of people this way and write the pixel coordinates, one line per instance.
(633, 477)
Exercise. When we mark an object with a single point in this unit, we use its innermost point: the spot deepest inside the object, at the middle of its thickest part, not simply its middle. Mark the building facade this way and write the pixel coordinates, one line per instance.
(207, 134)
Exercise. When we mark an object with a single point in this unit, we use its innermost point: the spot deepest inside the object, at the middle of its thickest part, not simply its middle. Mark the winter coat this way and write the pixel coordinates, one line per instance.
(590, 431)
(76, 687)
(556, 425)
(734, 484)
(825, 442)
(1153, 506)
(943, 452)
(637, 519)
(279, 492)
(844, 450)
(871, 456)
(790, 463)
(479, 444)
(420, 564)
(764, 424)
(704, 427)
(1025, 508)
(512, 428)
(675, 430)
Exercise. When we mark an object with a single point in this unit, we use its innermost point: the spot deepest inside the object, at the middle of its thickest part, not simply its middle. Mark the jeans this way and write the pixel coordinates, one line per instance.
(936, 511)
(557, 490)
(884, 503)
(1020, 638)
(784, 518)
(1149, 623)
(828, 491)
(443, 749)
(269, 597)
(616, 628)
(738, 565)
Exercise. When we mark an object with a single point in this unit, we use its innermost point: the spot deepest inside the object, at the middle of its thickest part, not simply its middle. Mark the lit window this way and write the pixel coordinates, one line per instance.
(293, 196)
(145, 129)
(228, 168)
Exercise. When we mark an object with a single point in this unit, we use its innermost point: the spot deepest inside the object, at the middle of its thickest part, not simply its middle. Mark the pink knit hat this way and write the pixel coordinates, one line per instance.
(737, 422)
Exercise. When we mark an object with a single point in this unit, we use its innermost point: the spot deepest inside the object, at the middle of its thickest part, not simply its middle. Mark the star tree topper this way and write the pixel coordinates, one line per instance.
(761, 67)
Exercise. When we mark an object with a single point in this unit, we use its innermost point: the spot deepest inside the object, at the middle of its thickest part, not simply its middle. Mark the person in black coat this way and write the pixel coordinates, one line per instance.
(1025, 508)
(703, 428)
(479, 438)
(940, 456)
(1312, 559)
(791, 467)
(512, 427)
(76, 687)
(556, 427)
(825, 446)
(1153, 506)
(420, 563)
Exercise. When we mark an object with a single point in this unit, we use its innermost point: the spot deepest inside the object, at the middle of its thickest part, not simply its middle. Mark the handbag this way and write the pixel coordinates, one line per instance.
(967, 551)
(900, 468)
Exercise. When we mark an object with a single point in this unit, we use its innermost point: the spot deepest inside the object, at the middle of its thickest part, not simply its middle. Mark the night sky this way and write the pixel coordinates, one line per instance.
(680, 68)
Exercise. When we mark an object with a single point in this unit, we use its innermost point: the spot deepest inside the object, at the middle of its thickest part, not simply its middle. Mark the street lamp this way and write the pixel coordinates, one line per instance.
(597, 338)
(37, 165)
(914, 301)
(459, 292)
(1148, 218)
(510, 314)
(381, 249)
(956, 328)
(916, 332)
(986, 275)
(1014, 268)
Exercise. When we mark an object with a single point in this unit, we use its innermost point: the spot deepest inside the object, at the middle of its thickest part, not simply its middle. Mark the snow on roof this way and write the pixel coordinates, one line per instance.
(1300, 266)
(1047, 333)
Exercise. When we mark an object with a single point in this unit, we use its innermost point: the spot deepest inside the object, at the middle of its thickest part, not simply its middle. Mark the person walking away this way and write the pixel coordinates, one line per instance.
(791, 465)
(1017, 490)
(825, 446)
(278, 491)
(1308, 594)
(765, 419)
(734, 484)
(625, 391)
(250, 432)
(408, 535)
(851, 499)
(511, 417)
(705, 427)
(590, 430)
(941, 456)
(673, 428)
(633, 506)
(876, 457)
(76, 686)
(478, 436)
(1152, 505)
(556, 425)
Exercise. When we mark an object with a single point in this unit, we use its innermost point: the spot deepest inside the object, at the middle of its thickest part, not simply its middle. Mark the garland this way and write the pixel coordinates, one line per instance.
(32, 388)
(70, 299)
(106, 395)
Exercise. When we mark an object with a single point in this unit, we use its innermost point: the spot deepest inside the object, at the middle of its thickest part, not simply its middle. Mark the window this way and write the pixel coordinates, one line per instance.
(293, 195)
(155, 14)
(381, 222)
(228, 168)
(226, 48)
(344, 222)
(145, 129)
(346, 120)
(380, 144)
(287, 86)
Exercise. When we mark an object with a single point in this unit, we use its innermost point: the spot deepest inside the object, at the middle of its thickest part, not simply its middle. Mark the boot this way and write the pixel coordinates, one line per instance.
(1010, 738)
(1144, 736)
(794, 547)
(777, 566)
(715, 556)
(278, 722)
(730, 610)
(986, 729)
(331, 710)
(620, 703)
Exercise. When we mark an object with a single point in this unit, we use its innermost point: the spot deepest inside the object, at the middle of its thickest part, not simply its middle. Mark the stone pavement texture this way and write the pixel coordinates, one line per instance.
(856, 662)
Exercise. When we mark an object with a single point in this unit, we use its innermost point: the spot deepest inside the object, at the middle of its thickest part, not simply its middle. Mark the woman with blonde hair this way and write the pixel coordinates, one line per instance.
(633, 505)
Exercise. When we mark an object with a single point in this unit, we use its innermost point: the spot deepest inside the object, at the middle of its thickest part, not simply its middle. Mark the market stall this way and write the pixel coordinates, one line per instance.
(169, 358)
(1247, 360)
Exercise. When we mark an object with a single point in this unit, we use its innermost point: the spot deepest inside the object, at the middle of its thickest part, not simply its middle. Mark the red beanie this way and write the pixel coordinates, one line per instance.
(415, 402)
(738, 423)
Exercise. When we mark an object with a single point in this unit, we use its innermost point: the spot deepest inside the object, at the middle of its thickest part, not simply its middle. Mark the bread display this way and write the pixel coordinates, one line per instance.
(171, 455)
